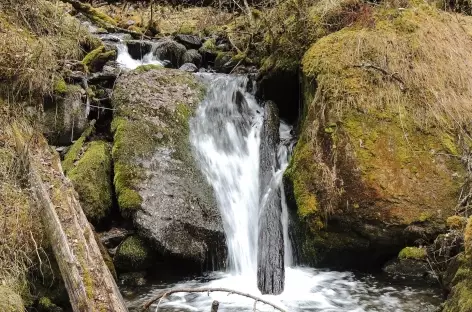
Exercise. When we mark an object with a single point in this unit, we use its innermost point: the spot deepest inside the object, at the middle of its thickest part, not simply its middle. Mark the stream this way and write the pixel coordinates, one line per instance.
(226, 136)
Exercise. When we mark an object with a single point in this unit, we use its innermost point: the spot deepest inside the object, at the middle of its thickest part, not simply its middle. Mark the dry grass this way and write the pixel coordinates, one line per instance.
(20, 231)
(35, 38)
(422, 65)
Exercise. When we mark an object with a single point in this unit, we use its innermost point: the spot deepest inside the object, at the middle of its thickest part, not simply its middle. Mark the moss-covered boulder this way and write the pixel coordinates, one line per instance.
(133, 254)
(157, 181)
(10, 301)
(96, 59)
(377, 165)
(89, 168)
(460, 298)
(65, 114)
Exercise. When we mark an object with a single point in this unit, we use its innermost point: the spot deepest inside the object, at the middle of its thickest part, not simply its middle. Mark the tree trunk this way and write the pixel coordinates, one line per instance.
(89, 283)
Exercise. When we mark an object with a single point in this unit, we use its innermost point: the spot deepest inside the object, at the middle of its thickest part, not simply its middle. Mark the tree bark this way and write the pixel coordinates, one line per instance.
(88, 281)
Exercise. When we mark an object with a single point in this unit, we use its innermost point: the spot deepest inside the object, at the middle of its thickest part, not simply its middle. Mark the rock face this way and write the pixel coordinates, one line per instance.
(65, 117)
(374, 170)
(156, 178)
(192, 56)
(270, 258)
(189, 41)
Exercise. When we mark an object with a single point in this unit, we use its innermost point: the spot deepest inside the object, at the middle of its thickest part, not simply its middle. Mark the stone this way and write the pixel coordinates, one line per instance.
(157, 181)
(133, 255)
(114, 237)
(189, 41)
(167, 49)
(189, 67)
(65, 115)
(138, 48)
(192, 56)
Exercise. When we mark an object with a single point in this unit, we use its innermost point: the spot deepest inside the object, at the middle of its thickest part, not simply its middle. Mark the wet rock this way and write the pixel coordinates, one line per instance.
(189, 41)
(133, 255)
(95, 60)
(409, 268)
(65, 115)
(189, 67)
(224, 62)
(270, 259)
(138, 48)
(157, 180)
(133, 279)
(167, 49)
(114, 237)
(192, 56)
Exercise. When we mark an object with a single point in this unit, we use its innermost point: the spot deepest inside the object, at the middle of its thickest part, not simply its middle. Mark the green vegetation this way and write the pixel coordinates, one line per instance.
(133, 255)
(91, 176)
(456, 222)
(145, 68)
(76, 149)
(95, 60)
(460, 298)
(414, 253)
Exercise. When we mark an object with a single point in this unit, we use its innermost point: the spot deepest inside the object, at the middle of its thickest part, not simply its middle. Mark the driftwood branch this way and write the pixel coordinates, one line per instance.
(393, 76)
(165, 294)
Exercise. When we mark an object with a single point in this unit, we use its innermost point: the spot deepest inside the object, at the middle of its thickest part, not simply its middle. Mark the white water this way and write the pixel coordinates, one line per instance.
(226, 137)
(125, 60)
(226, 140)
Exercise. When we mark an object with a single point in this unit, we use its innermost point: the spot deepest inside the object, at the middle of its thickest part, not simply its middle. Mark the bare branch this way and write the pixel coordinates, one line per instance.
(393, 76)
(163, 295)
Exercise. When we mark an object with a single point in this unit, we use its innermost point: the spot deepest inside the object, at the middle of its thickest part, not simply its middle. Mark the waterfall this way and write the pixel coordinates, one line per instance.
(226, 136)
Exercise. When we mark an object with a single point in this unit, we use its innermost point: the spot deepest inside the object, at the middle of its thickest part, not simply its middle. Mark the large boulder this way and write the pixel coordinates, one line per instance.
(156, 177)
(378, 163)
(167, 49)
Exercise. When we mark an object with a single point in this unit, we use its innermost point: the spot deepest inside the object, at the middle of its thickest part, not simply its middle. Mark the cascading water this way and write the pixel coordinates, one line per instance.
(226, 135)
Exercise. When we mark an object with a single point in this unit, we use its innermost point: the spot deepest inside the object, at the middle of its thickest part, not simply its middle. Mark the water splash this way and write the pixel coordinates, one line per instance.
(226, 135)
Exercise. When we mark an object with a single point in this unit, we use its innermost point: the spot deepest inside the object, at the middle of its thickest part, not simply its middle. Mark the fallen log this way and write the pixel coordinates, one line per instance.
(89, 283)
(165, 294)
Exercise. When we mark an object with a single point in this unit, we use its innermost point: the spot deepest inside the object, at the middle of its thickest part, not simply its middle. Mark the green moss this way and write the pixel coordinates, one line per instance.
(60, 87)
(449, 144)
(133, 255)
(98, 17)
(76, 148)
(187, 29)
(145, 68)
(209, 46)
(46, 305)
(414, 253)
(91, 176)
(95, 59)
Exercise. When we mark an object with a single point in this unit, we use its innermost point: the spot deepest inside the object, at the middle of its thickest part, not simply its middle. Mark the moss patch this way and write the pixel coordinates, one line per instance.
(10, 301)
(75, 150)
(96, 59)
(133, 255)
(91, 176)
(145, 68)
(412, 253)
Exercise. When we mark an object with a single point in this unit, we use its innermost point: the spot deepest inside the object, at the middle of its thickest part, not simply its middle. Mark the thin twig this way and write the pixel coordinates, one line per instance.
(163, 295)
(393, 76)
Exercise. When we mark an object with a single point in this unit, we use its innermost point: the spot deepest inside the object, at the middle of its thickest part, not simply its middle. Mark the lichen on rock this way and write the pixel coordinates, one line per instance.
(156, 178)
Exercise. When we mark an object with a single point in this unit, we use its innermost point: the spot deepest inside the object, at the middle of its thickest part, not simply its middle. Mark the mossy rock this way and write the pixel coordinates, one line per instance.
(91, 177)
(157, 180)
(372, 153)
(96, 59)
(10, 301)
(460, 298)
(414, 253)
(456, 222)
(64, 117)
(46, 305)
(133, 255)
